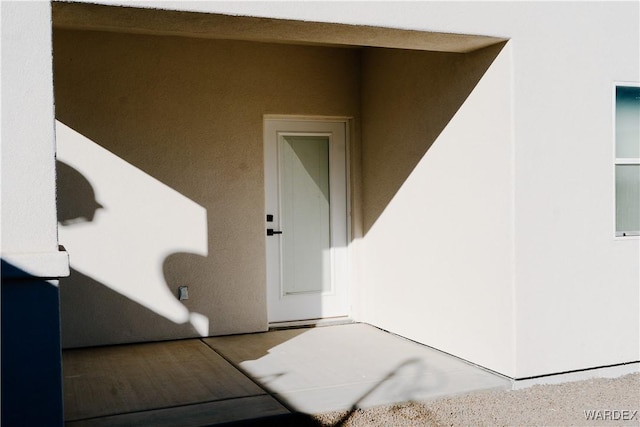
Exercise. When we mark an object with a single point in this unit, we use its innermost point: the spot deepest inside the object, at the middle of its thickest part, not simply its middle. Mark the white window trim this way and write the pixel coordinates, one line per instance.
(619, 235)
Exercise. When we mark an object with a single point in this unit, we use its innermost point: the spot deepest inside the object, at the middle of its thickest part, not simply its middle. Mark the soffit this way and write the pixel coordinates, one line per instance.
(84, 16)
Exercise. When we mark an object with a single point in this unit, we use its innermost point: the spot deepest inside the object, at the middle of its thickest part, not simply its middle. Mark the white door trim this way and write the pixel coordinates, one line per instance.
(275, 125)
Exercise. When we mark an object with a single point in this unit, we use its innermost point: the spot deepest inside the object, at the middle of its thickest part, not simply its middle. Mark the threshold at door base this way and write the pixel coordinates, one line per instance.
(311, 323)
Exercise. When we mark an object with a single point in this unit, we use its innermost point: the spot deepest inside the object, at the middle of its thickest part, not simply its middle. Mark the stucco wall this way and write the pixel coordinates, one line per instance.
(30, 326)
(28, 149)
(188, 113)
(578, 292)
(576, 300)
(437, 198)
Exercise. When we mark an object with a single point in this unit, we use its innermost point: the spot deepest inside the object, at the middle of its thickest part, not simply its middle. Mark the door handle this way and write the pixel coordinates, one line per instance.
(271, 232)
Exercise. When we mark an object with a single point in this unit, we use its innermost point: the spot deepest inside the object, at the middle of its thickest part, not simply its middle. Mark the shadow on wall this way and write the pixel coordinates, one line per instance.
(76, 200)
(91, 309)
(409, 98)
(120, 226)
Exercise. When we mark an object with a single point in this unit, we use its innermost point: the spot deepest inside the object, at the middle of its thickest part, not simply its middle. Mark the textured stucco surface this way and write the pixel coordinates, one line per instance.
(409, 97)
(437, 200)
(147, 20)
(188, 112)
(574, 302)
(28, 147)
(31, 368)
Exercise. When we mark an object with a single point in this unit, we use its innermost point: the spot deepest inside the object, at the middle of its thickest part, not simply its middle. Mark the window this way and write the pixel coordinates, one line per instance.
(627, 164)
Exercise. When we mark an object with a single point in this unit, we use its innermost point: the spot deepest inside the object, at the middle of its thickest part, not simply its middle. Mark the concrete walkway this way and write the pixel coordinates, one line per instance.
(245, 377)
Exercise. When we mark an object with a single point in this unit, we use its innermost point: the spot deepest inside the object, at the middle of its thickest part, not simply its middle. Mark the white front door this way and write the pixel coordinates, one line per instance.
(306, 218)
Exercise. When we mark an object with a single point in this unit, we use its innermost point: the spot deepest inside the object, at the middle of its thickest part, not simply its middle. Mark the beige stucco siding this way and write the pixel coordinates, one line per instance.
(188, 112)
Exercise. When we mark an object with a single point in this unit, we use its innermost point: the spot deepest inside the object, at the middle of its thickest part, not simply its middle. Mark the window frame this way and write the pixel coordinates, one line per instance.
(620, 235)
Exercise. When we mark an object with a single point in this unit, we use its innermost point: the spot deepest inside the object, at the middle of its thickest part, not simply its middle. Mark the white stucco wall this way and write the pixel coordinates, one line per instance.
(575, 297)
(439, 254)
(439, 258)
(31, 262)
(29, 239)
(577, 287)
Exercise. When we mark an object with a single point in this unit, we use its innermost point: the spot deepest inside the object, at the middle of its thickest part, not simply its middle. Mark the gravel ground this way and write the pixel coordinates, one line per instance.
(540, 405)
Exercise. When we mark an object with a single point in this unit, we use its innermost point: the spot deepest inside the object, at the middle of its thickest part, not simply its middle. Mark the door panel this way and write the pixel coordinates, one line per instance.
(306, 197)
(304, 203)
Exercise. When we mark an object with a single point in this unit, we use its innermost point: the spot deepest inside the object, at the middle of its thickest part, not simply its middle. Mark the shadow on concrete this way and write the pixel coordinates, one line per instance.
(410, 380)
(306, 420)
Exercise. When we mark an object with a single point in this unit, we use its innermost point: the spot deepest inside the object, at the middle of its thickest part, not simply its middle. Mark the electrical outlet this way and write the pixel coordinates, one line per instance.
(183, 293)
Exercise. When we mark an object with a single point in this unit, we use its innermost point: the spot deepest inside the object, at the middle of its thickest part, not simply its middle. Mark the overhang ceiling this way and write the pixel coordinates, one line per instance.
(86, 16)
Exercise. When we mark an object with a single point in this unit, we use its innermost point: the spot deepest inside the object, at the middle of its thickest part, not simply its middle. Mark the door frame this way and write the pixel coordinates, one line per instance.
(347, 122)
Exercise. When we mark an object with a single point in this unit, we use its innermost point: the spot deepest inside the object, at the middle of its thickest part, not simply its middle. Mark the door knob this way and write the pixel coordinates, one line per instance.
(271, 232)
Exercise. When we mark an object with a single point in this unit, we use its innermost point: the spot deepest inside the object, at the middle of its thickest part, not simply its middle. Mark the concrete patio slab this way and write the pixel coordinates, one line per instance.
(243, 378)
(197, 415)
(331, 368)
(158, 381)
